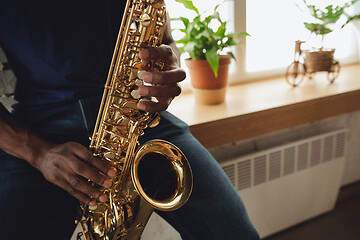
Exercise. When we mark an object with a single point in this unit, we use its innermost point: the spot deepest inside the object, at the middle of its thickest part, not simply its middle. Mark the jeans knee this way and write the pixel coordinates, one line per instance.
(254, 235)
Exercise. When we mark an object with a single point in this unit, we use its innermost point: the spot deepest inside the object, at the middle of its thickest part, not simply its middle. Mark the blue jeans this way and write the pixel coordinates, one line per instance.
(32, 208)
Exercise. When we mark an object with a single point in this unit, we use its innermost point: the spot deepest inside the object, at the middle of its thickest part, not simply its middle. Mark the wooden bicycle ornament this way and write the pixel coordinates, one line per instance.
(308, 62)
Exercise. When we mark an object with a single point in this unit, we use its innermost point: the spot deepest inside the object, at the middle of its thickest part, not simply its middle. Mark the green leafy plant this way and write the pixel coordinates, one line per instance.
(324, 19)
(202, 42)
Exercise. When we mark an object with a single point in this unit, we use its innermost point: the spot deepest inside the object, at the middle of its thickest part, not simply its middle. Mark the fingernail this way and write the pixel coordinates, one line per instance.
(111, 173)
(107, 183)
(103, 198)
(141, 74)
(92, 203)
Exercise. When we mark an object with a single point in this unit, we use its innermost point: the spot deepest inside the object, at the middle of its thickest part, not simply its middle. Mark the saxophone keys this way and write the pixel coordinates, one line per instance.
(139, 82)
(155, 121)
(135, 94)
(93, 208)
(140, 74)
(157, 3)
(140, 226)
(145, 20)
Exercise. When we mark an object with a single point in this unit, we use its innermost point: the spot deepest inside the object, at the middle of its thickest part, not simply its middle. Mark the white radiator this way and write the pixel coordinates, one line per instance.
(288, 184)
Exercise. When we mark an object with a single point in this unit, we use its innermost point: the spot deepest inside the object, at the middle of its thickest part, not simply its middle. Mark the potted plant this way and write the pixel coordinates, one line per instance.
(208, 65)
(320, 58)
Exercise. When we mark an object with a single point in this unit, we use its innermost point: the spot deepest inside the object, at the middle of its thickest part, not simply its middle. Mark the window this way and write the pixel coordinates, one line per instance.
(274, 27)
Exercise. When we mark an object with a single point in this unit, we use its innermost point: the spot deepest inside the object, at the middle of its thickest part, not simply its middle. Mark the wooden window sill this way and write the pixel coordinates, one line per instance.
(257, 108)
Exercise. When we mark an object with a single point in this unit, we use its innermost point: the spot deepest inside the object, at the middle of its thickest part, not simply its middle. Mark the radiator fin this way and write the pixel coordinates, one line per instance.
(244, 174)
(328, 148)
(289, 160)
(303, 156)
(340, 145)
(275, 165)
(260, 170)
(315, 152)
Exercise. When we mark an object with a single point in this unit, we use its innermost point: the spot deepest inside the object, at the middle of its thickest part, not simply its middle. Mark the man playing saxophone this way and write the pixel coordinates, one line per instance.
(60, 53)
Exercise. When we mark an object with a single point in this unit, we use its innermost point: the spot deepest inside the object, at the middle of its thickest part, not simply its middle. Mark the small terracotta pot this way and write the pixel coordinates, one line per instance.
(207, 88)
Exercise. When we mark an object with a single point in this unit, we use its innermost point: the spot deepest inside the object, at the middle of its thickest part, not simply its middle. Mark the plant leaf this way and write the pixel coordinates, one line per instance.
(356, 17)
(181, 41)
(240, 34)
(213, 58)
(216, 7)
(203, 42)
(190, 48)
(221, 30)
(185, 21)
(317, 28)
(231, 55)
(188, 4)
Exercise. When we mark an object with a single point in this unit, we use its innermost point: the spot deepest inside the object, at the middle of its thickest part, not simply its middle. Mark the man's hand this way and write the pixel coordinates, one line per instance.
(69, 165)
(164, 84)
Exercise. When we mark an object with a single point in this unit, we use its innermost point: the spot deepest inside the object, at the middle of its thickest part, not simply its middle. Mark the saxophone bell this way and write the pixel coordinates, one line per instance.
(162, 175)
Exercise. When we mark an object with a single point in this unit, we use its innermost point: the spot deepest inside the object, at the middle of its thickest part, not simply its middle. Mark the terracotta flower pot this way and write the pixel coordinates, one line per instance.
(207, 88)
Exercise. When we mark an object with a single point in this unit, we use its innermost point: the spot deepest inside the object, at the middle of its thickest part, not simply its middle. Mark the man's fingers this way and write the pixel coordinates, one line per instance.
(104, 166)
(70, 165)
(164, 77)
(86, 155)
(163, 52)
(147, 106)
(82, 190)
(78, 170)
(166, 91)
(86, 171)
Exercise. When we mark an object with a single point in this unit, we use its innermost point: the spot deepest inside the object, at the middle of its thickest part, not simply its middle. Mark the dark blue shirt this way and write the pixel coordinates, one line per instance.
(60, 51)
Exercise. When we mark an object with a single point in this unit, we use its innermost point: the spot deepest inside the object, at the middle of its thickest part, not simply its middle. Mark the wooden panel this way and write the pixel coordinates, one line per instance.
(245, 126)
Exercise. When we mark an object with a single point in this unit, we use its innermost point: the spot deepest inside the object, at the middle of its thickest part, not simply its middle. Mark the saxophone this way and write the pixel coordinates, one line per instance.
(155, 175)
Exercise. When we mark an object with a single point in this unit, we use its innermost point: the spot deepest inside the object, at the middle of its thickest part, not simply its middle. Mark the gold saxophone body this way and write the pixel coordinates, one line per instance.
(155, 175)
